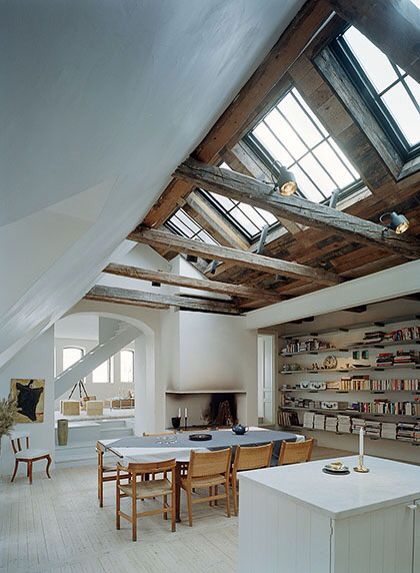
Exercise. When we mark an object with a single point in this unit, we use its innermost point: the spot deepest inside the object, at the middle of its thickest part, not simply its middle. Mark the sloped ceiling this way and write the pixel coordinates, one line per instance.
(101, 101)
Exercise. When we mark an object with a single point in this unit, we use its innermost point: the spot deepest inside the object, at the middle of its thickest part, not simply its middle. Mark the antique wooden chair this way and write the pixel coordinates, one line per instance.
(107, 471)
(207, 470)
(248, 458)
(140, 490)
(295, 452)
(23, 454)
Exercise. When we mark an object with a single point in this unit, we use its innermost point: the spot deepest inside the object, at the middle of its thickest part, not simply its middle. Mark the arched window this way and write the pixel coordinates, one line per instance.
(71, 354)
(127, 366)
(102, 373)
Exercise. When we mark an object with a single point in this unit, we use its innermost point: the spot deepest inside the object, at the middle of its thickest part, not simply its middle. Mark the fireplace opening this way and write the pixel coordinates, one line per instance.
(221, 410)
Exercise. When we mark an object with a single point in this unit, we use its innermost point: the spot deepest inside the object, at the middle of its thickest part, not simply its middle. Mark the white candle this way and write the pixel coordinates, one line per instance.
(186, 412)
(179, 412)
(361, 442)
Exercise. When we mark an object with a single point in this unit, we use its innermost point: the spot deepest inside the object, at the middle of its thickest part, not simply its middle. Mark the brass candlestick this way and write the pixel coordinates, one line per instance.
(361, 468)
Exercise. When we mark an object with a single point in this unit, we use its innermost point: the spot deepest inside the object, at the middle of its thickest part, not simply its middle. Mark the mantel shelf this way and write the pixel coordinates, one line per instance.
(212, 391)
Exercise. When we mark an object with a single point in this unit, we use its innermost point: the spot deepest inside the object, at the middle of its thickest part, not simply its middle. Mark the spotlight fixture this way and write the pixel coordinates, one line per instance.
(284, 180)
(397, 222)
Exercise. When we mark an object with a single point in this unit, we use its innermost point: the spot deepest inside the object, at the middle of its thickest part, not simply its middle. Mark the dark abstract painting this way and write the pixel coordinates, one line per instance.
(29, 394)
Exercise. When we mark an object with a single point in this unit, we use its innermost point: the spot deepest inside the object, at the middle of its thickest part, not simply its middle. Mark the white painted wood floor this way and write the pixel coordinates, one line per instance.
(56, 526)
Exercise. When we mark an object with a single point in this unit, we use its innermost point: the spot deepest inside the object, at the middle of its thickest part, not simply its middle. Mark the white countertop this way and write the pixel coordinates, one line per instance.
(340, 496)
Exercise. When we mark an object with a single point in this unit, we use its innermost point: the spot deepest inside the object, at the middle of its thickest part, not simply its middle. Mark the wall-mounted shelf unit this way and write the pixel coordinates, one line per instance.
(348, 412)
(385, 344)
(410, 366)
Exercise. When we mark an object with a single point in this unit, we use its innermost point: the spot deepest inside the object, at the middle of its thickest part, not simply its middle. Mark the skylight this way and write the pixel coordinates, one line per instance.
(250, 220)
(182, 224)
(292, 135)
(393, 95)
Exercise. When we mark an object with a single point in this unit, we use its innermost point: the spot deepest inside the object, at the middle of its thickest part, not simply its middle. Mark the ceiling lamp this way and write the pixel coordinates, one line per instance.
(397, 222)
(284, 180)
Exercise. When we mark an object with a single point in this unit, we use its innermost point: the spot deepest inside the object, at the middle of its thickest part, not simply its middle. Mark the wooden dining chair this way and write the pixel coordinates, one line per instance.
(142, 489)
(207, 470)
(248, 458)
(24, 454)
(295, 452)
(106, 472)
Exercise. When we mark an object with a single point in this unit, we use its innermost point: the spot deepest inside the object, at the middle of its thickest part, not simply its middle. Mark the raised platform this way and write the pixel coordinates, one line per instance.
(108, 413)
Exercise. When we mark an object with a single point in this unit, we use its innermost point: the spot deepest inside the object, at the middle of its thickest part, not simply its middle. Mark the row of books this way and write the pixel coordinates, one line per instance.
(406, 408)
(358, 382)
(287, 418)
(293, 346)
(401, 357)
(400, 334)
(403, 431)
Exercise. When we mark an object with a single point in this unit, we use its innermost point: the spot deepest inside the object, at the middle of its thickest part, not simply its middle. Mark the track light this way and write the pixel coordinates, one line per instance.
(397, 222)
(284, 180)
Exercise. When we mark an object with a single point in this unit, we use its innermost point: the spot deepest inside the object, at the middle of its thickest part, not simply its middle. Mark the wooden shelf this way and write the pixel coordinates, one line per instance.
(348, 328)
(303, 429)
(410, 366)
(379, 345)
(336, 391)
(347, 412)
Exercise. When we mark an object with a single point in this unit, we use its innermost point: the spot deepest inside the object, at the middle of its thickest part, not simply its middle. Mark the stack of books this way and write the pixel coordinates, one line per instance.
(385, 359)
(406, 357)
(373, 429)
(406, 431)
(331, 424)
(308, 419)
(344, 424)
(374, 337)
(389, 430)
(407, 333)
(319, 422)
(357, 423)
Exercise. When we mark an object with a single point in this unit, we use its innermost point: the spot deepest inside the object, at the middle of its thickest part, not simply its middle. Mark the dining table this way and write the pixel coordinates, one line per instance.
(179, 445)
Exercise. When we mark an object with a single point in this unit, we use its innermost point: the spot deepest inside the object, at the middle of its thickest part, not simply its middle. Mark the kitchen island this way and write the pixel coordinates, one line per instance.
(297, 519)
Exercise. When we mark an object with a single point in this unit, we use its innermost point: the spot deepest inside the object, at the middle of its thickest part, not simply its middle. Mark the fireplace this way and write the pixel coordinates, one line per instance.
(222, 410)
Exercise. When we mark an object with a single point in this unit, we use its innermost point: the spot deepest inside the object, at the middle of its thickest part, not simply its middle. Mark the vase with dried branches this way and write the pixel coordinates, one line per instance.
(8, 412)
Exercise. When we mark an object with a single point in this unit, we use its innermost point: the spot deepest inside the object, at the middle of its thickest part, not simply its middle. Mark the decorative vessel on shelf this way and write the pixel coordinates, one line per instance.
(176, 422)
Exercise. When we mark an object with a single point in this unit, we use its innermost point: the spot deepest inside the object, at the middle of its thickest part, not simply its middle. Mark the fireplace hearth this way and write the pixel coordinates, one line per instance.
(221, 411)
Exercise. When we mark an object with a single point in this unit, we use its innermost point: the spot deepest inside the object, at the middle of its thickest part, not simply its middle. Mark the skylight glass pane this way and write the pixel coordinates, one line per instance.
(269, 217)
(301, 121)
(225, 202)
(288, 136)
(320, 167)
(375, 64)
(311, 191)
(181, 223)
(253, 214)
(404, 111)
(318, 175)
(338, 172)
(243, 220)
(272, 144)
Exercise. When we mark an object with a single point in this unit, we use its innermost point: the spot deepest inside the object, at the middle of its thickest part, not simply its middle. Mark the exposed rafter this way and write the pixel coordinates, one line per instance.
(162, 301)
(260, 194)
(156, 238)
(240, 291)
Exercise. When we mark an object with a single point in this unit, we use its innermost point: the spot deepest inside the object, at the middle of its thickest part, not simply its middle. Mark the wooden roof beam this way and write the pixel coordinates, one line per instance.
(156, 238)
(240, 291)
(162, 301)
(260, 194)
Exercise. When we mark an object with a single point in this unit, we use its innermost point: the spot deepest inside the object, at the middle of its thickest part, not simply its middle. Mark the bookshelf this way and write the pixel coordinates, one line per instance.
(387, 402)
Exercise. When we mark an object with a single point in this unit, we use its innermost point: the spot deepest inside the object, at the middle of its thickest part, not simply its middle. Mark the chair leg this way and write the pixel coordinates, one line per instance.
(216, 490)
(117, 507)
(235, 495)
(210, 494)
(30, 472)
(134, 518)
(189, 506)
(165, 506)
(47, 468)
(227, 498)
(15, 470)
(27, 469)
(173, 510)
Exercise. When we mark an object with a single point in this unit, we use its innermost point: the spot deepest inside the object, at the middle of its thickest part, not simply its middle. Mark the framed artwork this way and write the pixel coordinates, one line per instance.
(29, 394)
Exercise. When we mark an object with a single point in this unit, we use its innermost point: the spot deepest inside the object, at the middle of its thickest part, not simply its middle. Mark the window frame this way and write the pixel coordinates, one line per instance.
(132, 358)
(372, 99)
(195, 235)
(82, 350)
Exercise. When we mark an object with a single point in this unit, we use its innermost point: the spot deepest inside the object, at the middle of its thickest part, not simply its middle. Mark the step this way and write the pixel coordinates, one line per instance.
(115, 433)
(107, 424)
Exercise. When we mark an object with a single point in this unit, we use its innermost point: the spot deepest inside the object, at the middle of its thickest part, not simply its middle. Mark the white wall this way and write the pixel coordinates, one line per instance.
(35, 361)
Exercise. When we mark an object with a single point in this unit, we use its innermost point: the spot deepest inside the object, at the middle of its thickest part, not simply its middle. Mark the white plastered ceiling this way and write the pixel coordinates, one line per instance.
(100, 101)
